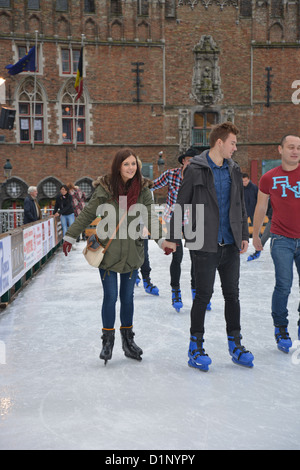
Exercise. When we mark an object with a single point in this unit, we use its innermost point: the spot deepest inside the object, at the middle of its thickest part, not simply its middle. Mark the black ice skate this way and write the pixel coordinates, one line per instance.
(108, 340)
(129, 347)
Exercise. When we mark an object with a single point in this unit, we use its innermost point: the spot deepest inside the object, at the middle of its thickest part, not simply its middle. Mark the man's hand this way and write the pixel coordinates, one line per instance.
(168, 247)
(67, 247)
(244, 246)
(257, 243)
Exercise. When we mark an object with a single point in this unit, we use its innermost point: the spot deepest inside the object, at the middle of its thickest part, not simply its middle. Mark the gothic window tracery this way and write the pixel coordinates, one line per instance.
(31, 111)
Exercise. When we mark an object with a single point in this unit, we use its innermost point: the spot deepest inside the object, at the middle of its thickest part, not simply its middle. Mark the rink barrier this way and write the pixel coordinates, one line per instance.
(23, 252)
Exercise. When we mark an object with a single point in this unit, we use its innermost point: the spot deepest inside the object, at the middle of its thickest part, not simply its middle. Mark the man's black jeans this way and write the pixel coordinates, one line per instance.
(175, 267)
(227, 261)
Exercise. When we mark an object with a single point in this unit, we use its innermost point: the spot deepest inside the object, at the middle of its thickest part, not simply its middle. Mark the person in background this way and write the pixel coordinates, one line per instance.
(117, 193)
(250, 194)
(78, 202)
(149, 287)
(64, 208)
(32, 210)
(282, 186)
(173, 179)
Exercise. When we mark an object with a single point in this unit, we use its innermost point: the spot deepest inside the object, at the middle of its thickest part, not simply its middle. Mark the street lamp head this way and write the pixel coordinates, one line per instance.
(7, 169)
(160, 161)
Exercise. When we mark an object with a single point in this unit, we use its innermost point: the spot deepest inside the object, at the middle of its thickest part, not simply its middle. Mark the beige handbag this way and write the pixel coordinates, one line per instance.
(94, 251)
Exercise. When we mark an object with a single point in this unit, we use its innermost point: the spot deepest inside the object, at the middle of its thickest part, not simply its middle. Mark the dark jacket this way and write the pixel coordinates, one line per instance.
(63, 205)
(250, 194)
(198, 188)
(31, 214)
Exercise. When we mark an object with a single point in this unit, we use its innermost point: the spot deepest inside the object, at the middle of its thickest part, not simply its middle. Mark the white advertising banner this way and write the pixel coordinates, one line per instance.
(5, 265)
(21, 250)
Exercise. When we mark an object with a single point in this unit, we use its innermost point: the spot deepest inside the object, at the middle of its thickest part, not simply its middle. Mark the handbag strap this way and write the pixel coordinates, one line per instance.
(115, 232)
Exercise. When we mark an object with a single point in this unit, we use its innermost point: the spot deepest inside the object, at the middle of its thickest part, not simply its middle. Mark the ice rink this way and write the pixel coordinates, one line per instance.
(55, 392)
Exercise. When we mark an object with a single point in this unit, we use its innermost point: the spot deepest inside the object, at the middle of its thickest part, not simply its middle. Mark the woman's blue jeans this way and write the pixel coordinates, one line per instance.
(284, 252)
(66, 221)
(110, 295)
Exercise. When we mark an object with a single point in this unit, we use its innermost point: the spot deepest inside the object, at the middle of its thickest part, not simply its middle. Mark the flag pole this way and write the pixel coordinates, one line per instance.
(77, 112)
(34, 96)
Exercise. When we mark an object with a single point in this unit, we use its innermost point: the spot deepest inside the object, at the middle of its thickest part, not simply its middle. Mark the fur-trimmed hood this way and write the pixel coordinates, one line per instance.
(104, 181)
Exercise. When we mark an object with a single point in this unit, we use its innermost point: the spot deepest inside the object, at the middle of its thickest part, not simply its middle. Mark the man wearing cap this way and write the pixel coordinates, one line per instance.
(173, 179)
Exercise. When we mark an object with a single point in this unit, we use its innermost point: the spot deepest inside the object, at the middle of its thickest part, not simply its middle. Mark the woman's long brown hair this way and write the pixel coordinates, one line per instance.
(116, 180)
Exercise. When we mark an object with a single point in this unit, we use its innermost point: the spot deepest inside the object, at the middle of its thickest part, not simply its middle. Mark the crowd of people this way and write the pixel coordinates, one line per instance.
(207, 177)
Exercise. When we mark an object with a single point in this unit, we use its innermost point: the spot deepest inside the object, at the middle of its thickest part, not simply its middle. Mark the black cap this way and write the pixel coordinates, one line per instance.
(192, 152)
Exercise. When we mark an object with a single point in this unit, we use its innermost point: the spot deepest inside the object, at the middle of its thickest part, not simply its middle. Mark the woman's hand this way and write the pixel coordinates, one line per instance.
(67, 247)
(168, 247)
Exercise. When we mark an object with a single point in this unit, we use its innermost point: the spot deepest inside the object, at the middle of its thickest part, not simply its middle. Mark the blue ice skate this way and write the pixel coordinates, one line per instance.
(149, 287)
(176, 299)
(193, 296)
(138, 280)
(197, 357)
(239, 354)
(283, 340)
(255, 255)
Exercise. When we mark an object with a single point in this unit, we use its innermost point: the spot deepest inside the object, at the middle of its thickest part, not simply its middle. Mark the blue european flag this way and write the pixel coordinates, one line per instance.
(27, 63)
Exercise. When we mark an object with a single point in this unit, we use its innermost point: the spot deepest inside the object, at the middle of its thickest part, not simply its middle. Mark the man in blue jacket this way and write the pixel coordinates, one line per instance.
(213, 180)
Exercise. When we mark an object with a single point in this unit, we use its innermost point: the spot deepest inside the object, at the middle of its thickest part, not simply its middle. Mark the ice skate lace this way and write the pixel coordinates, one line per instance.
(177, 296)
(282, 334)
(149, 284)
(242, 350)
(200, 351)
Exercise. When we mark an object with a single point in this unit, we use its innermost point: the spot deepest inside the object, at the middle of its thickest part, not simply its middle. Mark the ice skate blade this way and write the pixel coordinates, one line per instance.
(203, 368)
(249, 365)
(284, 350)
(135, 358)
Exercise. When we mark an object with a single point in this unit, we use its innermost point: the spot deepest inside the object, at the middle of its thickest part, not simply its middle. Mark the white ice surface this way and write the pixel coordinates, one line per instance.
(55, 392)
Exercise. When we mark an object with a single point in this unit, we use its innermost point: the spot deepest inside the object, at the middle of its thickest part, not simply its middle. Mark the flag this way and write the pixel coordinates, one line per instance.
(27, 63)
(79, 78)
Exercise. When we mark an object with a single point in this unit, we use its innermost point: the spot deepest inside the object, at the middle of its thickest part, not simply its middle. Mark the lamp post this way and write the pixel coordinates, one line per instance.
(7, 169)
(160, 162)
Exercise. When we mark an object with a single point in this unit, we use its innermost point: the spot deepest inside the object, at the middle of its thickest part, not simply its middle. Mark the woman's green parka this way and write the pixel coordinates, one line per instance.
(125, 253)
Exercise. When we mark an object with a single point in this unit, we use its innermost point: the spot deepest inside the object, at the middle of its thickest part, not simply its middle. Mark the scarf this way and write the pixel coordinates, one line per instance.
(132, 194)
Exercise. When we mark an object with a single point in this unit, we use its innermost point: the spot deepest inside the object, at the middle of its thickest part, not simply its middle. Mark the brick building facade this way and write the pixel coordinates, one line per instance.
(157, 75)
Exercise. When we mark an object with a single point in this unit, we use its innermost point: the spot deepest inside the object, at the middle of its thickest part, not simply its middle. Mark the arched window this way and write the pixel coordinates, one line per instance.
(48, 189)
(85, 184)
(73, 115)
(31, 112)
